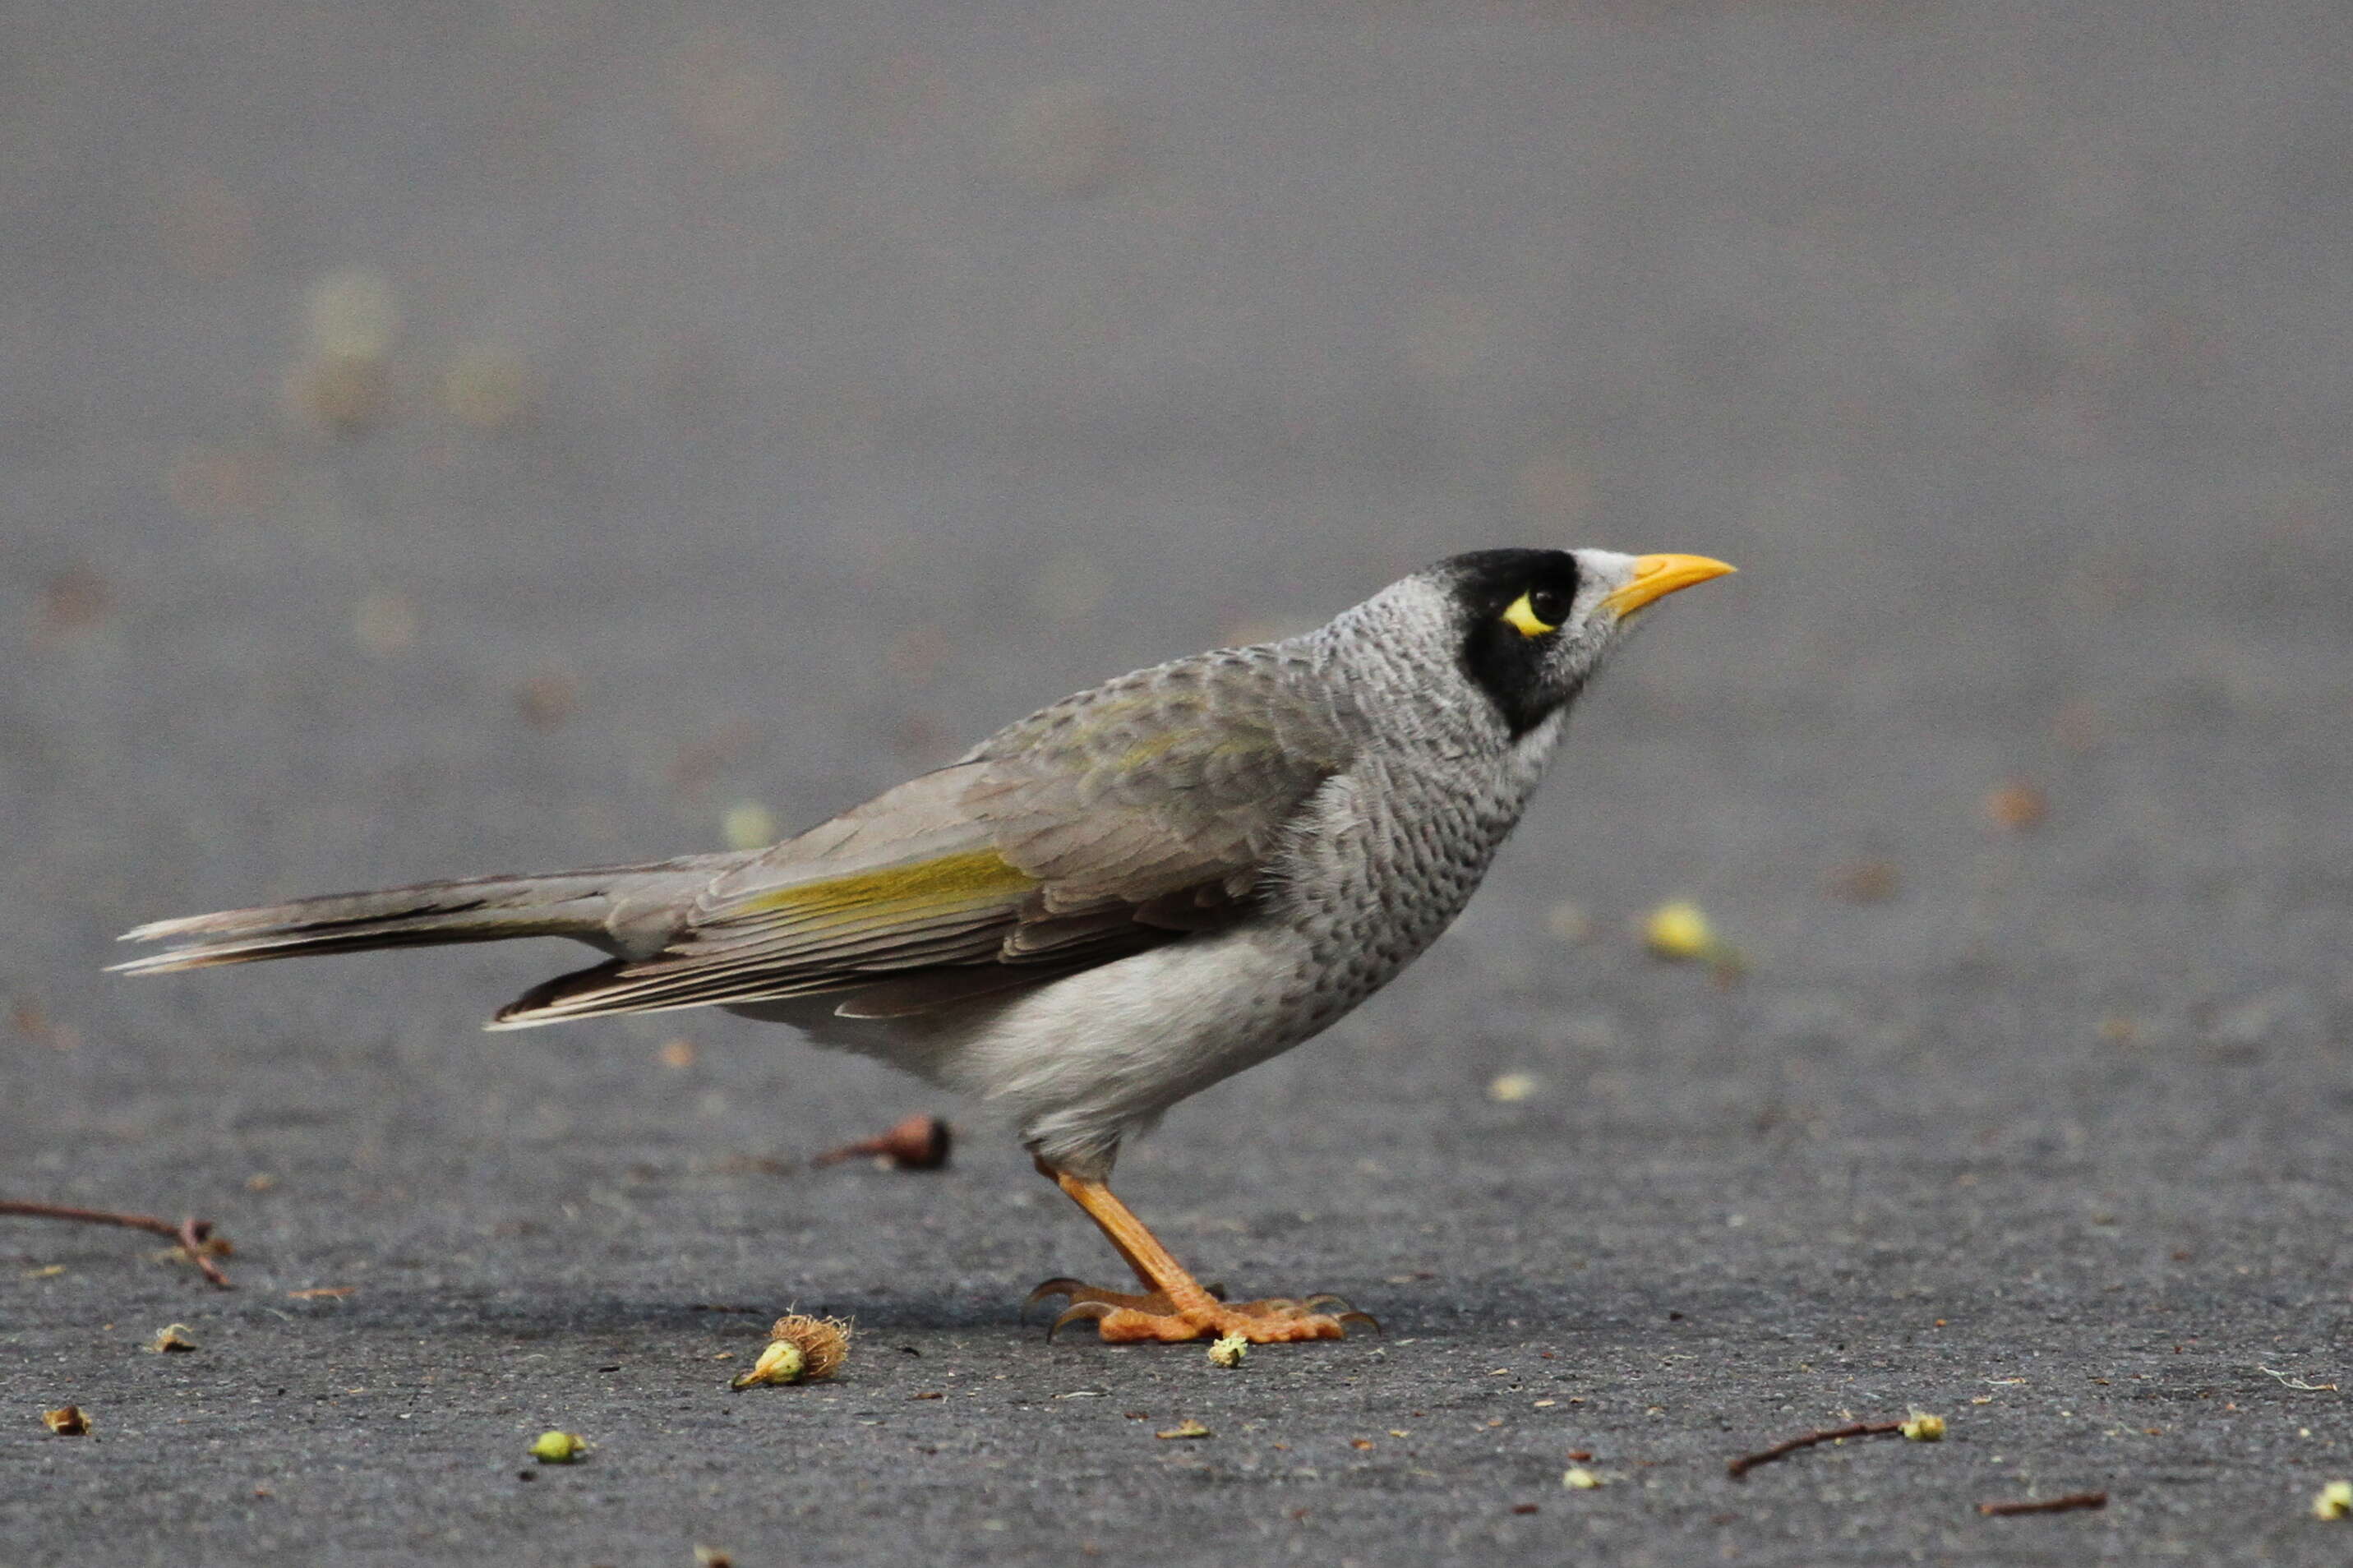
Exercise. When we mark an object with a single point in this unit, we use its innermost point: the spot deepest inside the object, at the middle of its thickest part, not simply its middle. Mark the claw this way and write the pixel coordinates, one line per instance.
(1057, 1287)
(1352, 1316)
(1325, 1299)
(1091, 1310)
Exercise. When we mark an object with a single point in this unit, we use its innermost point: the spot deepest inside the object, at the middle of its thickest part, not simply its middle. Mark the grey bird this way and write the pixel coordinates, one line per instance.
(1103, 908)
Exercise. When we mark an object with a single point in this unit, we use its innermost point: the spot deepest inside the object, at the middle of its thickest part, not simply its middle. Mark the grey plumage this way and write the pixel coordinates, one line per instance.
(1106, 906)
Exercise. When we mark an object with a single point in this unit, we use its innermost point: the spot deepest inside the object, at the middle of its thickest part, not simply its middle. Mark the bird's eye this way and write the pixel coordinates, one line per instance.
(1534, 613)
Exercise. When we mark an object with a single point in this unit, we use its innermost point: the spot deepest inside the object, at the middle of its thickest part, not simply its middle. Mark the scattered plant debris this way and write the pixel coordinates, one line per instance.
(1920, 1427)
(1511, 1088)
(196, 1241)
(2067, 1504)
(2017, 806)
(1680, 931)
(921, 1143)
(559, 1449)
(1924, 1427)
(781, 1360)
(801, 1349)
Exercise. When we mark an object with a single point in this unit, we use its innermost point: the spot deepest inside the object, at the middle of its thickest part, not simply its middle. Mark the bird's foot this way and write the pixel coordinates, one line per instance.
(1076, 1292)
(1121, 1319)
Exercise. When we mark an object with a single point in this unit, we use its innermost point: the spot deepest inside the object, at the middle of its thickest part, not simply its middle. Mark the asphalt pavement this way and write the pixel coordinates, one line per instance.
(451, 439)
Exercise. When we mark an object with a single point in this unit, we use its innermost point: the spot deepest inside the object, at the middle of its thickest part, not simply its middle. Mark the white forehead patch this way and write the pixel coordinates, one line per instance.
(1601, 573)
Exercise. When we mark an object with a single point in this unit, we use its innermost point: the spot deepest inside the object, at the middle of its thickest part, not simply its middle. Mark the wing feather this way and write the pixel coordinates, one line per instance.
(1112, 821)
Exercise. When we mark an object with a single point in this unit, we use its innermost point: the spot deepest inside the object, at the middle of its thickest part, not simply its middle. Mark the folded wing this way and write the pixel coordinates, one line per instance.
(1112, 821)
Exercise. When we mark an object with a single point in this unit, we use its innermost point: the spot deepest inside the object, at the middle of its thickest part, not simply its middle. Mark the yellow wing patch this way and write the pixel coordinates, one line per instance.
(952, 881)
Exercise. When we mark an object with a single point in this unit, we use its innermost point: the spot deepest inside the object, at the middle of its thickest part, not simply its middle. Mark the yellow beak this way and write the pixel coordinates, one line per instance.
(1656, 576)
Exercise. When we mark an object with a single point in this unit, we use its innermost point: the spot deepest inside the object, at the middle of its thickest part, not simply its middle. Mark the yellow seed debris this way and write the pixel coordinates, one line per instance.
(1924, 1427)
(801, 1349)
(1576, 1478)
(2334, 1501)
(1511, 1088)
(1678, 930)
(1231, 1350)
(170, 1337)
(559, 1447)
(825, 1341)
(68, 1421)
(780, 1362)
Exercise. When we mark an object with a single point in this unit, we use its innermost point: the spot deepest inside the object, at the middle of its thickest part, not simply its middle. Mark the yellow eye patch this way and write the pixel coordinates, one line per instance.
(1524, 620)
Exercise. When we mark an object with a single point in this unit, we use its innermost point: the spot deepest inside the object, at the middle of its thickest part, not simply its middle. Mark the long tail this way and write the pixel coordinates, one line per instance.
(621, 909)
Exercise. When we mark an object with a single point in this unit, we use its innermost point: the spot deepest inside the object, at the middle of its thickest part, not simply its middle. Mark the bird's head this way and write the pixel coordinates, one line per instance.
(1534, 624)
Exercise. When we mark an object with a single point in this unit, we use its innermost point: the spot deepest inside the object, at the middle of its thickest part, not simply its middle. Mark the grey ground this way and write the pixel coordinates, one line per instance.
(886, 373)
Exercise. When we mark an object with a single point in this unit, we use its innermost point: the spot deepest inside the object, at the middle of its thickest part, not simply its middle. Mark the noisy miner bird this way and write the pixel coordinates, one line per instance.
(1105, 907)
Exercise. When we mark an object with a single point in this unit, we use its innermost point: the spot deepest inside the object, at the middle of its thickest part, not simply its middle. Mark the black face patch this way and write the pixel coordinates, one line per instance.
(1502, 659)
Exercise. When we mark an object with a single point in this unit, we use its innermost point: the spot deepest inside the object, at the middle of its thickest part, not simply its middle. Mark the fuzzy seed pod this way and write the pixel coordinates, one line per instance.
(801, 1349)
(781, 1360)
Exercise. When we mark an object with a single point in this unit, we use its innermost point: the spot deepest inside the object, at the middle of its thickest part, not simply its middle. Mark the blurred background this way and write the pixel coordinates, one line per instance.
(440, 438)
(443, 439)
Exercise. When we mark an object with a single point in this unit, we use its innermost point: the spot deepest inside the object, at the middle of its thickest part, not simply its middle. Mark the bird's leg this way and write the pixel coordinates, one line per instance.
(1178, 1306)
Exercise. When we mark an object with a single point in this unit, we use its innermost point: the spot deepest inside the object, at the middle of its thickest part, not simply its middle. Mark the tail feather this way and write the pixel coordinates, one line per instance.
(618, 908)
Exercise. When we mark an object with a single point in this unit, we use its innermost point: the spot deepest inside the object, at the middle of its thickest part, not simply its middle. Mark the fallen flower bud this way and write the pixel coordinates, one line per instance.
(559, 1447)
(780, 1362)
(801, 1349)
(1230, 1351)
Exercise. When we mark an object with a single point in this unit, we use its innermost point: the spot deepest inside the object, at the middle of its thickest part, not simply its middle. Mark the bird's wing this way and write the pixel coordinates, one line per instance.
(1108, 823)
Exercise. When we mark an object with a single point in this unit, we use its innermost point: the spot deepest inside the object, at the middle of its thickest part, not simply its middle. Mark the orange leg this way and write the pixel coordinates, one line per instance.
(1176, 1306)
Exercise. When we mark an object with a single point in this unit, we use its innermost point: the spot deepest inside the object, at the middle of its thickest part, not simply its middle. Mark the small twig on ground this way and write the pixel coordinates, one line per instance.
(1747, 1462)
(2296, 1383)
(2067, 1504)
(195, 1235)
(918, 1144)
